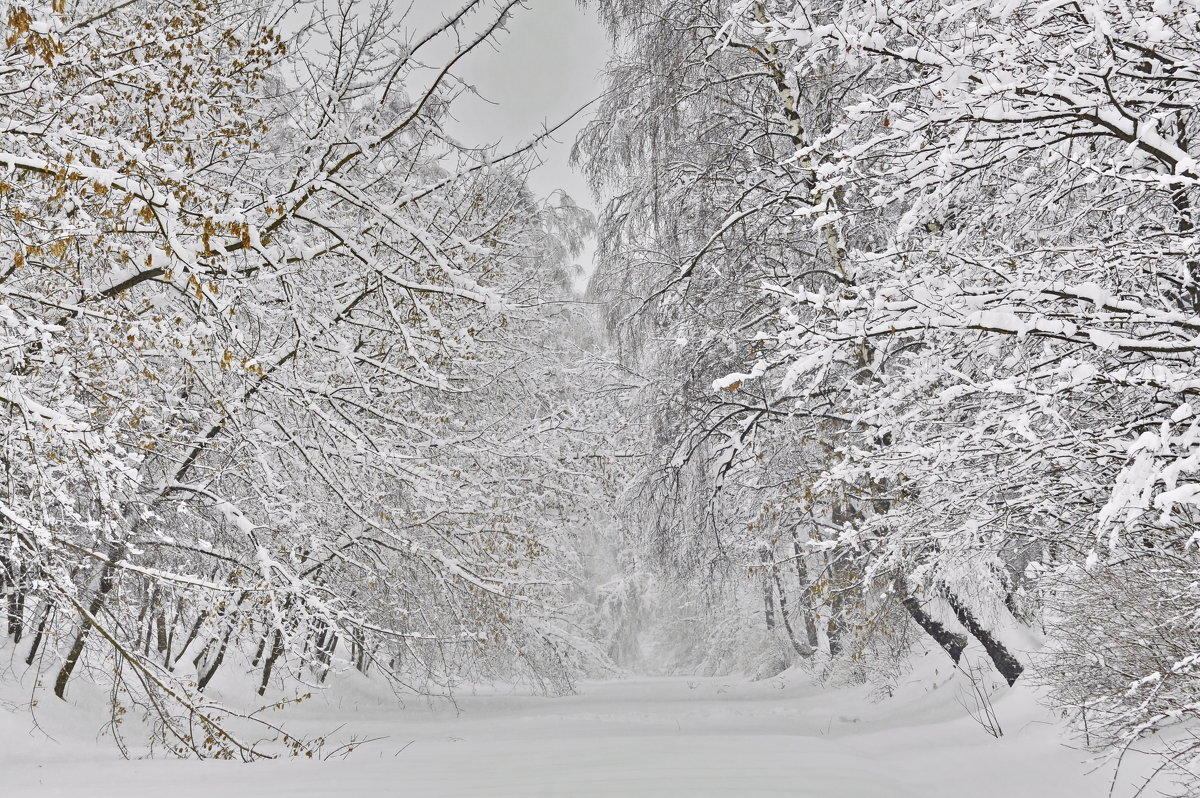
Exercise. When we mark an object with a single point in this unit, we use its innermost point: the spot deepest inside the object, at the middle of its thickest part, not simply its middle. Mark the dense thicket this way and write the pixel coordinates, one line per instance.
(904, 299)
(915, 288)
(283, 363)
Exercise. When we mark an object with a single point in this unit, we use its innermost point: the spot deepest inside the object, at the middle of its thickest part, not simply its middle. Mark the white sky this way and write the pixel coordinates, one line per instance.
(536, 74)
(543, 69)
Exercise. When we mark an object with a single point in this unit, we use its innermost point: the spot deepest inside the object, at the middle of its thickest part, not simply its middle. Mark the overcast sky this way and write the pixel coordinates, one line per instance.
(536, 73)
(544, 67)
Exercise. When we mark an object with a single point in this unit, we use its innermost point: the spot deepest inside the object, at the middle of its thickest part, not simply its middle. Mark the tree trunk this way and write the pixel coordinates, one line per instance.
(269, 665)
(1004, 660)
(802, 650)
(842, 514)
(38, 635)
(833, 630)
(326, 645)
(262, 647)
(16, 613)
(10, 586)
(168, 662)
(951, 642)
(107, 582)
(200, 619)
(145, 621)
(764, 557)
(202, 679)
(160, 629)
(806, 610)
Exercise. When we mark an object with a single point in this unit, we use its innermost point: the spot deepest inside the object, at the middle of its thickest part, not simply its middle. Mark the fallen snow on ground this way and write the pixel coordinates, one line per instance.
(677, 736)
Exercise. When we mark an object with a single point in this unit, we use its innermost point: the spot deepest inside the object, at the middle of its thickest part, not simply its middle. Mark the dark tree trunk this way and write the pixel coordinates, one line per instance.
(810, 621)
(200, 619)
(262, 647)
(204, 678)
(833, 630)
(145, 621)
(787, 621)
(107, 582)
(843, 513)
(951, 642)
(168, 662)
(768, 606)
(269, 665)
(16, 613)
(38, 635)
(10, 586)
(230, 617)
(160, 630)
(326, 645)
(1002, 658)
(764, 557)
(365, 659)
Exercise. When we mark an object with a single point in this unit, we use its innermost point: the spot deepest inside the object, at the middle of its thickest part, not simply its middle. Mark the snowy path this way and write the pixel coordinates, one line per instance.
(647, 737)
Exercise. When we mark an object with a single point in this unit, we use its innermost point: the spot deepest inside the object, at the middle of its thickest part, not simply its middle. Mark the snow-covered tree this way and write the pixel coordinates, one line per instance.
(272, 342)
(1021, 429)
(700, 151)
(913, 290)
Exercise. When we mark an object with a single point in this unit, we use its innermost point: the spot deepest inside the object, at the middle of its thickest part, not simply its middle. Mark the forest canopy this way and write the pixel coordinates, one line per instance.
(889, 348)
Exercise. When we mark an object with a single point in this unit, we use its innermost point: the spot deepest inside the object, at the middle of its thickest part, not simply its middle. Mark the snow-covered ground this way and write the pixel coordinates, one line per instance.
(675, 736)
